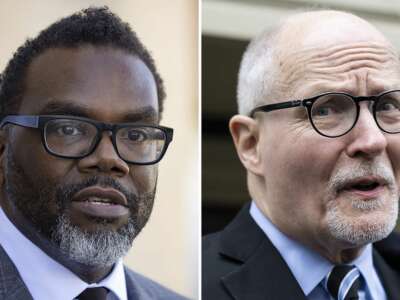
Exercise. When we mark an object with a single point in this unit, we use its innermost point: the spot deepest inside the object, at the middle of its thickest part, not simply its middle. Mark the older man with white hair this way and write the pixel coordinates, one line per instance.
(318, 133)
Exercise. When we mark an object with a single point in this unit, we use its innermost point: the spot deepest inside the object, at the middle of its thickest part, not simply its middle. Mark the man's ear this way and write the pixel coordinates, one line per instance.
(245, 134)
(3, 140)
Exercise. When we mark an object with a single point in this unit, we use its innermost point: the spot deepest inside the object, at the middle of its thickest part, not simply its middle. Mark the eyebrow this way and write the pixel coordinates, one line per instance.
(144, 114)
(147, 113)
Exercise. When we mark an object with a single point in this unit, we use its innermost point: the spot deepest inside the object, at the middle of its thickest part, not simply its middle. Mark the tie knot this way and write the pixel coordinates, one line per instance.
(343, 282)
(97, 293)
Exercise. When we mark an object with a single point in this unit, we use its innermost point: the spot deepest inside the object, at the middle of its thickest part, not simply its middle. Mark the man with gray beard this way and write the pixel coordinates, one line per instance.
(318, 132)
(80, 142)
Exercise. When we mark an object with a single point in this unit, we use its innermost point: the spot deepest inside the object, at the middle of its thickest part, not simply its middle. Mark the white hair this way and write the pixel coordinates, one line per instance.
(257, 72)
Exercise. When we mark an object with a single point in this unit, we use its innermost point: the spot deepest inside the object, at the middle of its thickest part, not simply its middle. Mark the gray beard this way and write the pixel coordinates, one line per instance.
(351, 231)
(376, 228)
(100, 248)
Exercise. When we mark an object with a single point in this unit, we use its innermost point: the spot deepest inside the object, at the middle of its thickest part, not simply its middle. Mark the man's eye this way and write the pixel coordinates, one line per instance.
(136, 136)
(67, 130)
(387, 107)
(323, 111)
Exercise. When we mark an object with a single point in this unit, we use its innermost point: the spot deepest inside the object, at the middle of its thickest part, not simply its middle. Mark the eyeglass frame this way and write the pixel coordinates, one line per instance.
(308, 103)
(39, 122)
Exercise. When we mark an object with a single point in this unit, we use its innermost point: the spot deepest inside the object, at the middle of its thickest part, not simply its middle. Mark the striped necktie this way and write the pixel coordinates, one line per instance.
(343, 282)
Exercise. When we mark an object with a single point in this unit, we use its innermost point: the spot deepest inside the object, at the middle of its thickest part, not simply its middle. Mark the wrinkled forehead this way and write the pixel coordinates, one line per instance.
(333, 49)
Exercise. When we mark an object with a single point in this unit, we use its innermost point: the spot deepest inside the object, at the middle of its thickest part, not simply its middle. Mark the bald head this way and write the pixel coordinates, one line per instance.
(320, 28)
(277, 59)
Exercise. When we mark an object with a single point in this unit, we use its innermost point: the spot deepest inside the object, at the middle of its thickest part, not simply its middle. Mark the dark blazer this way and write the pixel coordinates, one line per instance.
(389, 248)
(241, 263)
(138, 287)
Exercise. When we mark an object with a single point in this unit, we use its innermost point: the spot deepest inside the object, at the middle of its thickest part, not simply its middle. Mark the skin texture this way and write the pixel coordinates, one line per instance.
(100, 83)
(291, 167)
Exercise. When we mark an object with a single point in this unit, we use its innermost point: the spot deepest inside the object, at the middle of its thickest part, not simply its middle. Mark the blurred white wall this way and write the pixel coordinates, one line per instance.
(167, 249)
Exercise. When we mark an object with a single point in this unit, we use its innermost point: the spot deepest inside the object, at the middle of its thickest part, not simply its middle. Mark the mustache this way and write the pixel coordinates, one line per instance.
(339, 180)
(64, 193)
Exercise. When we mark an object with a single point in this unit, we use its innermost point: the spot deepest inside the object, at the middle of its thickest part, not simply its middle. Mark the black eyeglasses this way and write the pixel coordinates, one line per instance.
(76, 137)
(335, 114)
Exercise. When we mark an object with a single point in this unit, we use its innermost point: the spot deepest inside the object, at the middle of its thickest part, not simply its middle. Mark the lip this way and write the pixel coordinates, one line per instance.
(112, 195)
(100, 202)
(374, 193)
(349, 186)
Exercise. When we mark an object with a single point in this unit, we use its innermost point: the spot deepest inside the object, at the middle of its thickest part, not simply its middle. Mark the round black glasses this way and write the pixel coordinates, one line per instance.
(335, 114)
(76, 137)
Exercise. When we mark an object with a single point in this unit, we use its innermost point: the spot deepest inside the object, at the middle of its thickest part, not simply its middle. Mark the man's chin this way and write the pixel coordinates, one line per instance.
(101, 245)
(362, 226)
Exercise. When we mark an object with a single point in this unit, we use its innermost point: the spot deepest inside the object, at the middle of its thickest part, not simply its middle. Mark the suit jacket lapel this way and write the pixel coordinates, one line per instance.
(11, 284)
(390, 279)
(130, 288)
(262, 273)
(134, 290)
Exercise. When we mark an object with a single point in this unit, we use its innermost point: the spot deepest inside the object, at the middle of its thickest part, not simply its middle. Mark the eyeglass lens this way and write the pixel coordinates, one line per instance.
(335, 114)
(388, 112)
(76, 138)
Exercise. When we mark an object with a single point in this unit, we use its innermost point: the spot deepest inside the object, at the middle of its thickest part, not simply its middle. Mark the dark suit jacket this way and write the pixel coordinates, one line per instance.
(241, 263)
(389, 248)
(138, 287)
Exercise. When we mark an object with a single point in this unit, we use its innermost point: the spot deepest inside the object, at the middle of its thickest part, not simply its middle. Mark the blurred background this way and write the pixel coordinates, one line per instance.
(167, 248)
(227, 27)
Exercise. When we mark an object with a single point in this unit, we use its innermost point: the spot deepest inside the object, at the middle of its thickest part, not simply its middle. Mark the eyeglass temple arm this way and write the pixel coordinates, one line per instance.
(276, 106)
(26, 121)
(170, 134)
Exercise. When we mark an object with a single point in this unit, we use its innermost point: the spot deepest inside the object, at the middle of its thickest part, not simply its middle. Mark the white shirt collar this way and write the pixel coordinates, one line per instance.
(301, 259)
(44, 277)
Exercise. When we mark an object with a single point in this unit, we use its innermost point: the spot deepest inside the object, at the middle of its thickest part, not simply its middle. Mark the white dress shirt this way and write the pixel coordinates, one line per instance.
(309, 268)
(45, 278)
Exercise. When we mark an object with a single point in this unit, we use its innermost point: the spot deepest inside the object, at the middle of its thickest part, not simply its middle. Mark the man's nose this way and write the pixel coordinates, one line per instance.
(366, 138)
(104, 159)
